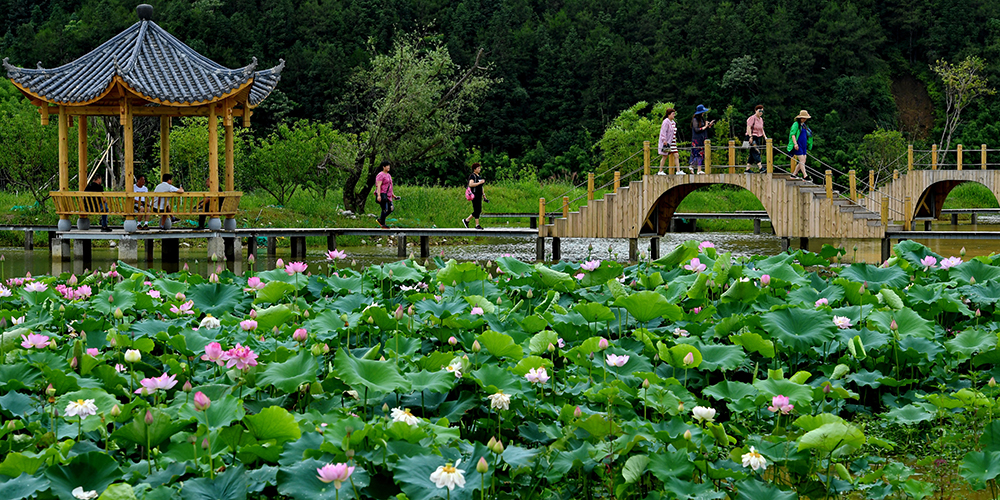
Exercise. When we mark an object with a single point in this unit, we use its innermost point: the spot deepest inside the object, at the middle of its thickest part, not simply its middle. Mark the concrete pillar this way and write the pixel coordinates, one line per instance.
(804, 243)
(148, 244)
(128, 250)
(29, 240)
(229, 245)
(401, 246)
(633, 249)
(81, 249)
(975, 218)
(234, 249)
(252, 246)
(216, 247)
(654, 248)
(756, 226)
(533, 222)
(272, 246)
(539, 249)
(927, 225)
(331, 241)
(886, 248)
(673, 225)
(425, 247)
(556, 249)
(954, 219)
(61, 250)
(786, 243)
(298, 247)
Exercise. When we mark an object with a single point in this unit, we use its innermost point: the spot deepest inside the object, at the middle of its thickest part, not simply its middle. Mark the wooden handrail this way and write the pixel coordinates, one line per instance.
(85, 203)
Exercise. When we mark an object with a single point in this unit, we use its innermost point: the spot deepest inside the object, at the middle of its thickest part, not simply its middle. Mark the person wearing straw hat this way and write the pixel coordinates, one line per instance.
(699, 133)
(668, 140)
(800, 141)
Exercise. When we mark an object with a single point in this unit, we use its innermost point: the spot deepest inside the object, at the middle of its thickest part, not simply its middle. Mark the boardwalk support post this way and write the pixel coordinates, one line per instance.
(885, 211)
(590, 186)
(541, 216)
(909, 159)
(618, 178)
(982, 156)
(331, 242)
(401, 246)
(170, 251)
(708, 156)
(934, 155)
(29, 240)
(565, 207)
(128, 250)
(633, 250)
(556, 249)
(272, 246)
(853, 178)
(425, 247)
(770, 157)
(756, 226)
(539, 249)
(829, 184)
(732, 157)
(252, 246)
(654, 247)
(786, 243)
(907, 214)
(958, 156)
(886, 248)
(148, 247)
(645, 157)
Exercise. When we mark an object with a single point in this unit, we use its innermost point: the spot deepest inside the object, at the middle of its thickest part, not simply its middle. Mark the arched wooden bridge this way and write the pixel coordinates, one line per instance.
(797, 209)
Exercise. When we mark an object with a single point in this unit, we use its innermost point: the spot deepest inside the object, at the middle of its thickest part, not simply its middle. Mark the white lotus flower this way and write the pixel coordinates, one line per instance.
(754, 460)
(499, 401)
(404, 415)
(449, 476)
(703, 413)
(83, 408)
(84, 495)
(210, 322)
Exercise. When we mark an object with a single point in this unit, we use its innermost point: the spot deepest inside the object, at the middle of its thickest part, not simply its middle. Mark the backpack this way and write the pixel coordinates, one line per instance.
(468, 194)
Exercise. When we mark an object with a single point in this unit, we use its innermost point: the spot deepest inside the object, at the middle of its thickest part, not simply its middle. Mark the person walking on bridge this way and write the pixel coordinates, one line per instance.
(668, 140)
(756, 136)
(699, 133)
(800, 141)
(478, 197)
(383, 192)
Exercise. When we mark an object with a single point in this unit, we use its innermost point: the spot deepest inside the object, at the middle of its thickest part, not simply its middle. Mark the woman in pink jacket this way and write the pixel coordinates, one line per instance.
(668, 140)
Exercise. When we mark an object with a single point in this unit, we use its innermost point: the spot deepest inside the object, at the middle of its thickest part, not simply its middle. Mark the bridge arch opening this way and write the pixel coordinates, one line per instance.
(931, 201)
(715, 197)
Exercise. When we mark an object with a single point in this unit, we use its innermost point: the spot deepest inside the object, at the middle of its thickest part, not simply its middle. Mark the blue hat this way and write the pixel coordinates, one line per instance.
(701, 109)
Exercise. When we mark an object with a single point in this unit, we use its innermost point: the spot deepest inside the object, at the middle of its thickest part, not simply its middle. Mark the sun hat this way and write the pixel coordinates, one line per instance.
(701, 109)
(803, 114)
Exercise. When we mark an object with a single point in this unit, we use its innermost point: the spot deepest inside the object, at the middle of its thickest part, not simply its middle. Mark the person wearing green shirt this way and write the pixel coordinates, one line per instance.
(800, 141)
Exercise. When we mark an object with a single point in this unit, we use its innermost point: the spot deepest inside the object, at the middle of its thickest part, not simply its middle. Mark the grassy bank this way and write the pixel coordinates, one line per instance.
(443, 207)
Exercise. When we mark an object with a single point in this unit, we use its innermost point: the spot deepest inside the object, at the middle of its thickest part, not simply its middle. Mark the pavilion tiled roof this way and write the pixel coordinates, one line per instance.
(152, 63)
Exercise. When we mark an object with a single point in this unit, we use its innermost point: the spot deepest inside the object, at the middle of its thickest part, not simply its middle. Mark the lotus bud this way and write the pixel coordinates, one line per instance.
(381, 358)
(689, 358)
(385, 408)
(482, 467)
(602, 344)
(827, 388)
(72, 281)
(62, 308)
(551, 348)
(305, 314)
(475, 346)
(972, 280)
(962, 252)
(354, 263)
(390, 274)
(304, 388)
(687, 434)
(491, 443)
(441, 288)
(2, 258)
(111, 299)
(452, 340)
(577, 412)
(253, 314)
(399, 312)
(50, 391)
(326, 349)
(300, 335)
(204, 444)
(992, 382)
(53, 344)
(180, 296)
(133, 355)
(765, 280)
(893, 325)
(498, 448)
(316, 350)
(118, 313)
(112, 340)
(187, 386)
(274, 331)
(251, 259)
(186, 268)
(490, 276)
(978, 313)
(213, 278)
(370, 320)
(73, 363)
(201, 401)
(149, 417)
(115, 411)
(530, 294)
(215, 258)
(499, 300)
(864, 287)
(645, 383)
(409, 310)
(279, 263)
(680, 407)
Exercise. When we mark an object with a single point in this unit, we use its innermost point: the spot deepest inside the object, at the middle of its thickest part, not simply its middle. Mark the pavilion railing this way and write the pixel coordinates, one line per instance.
(192, 203)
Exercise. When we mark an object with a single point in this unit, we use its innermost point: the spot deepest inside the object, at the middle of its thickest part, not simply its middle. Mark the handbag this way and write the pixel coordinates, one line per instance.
(468, 194)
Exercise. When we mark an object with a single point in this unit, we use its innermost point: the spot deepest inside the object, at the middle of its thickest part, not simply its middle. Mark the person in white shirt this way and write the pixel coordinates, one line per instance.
(140, 202)
(160, 204)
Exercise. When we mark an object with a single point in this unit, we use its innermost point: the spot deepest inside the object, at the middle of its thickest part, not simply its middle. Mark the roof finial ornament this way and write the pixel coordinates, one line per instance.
(145, 12)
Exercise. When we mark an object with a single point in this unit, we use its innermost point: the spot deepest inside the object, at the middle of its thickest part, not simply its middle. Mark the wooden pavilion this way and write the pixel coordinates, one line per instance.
(145, 71)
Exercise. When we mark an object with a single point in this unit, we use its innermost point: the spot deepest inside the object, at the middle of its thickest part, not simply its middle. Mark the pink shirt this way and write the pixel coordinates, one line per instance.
(386, 180)
(755, 126)
(668, 137)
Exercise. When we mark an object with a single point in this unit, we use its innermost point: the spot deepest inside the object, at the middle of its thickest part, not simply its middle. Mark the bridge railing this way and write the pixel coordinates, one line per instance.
(961, 158)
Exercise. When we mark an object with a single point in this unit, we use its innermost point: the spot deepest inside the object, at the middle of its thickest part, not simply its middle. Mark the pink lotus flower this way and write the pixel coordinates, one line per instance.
(201, 401)
(696, 310)
(336, 255)
(780, 403)
(184, 308)
(278, 264)
(477, 311)
(248, 325)
(822, 302)
(300, 335)
(335, 473)
(240, 357)
(561, 343)
(696, 266)
(616, 360)
(93, 351)
(213, 353)
(579, 276)
(950, 262)
(705, 244)
(537, 375)
(254, 284)
(842, 322)
(590, 265)
(36, 286)
(83, 292)
(72, 281)
(295, 267)
(765, 280)
(928, 261)
(4, 291)
(180, 296)
(35, 340)
(153, 384)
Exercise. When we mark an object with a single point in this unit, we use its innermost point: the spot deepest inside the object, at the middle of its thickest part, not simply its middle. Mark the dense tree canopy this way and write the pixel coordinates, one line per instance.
(567, 68)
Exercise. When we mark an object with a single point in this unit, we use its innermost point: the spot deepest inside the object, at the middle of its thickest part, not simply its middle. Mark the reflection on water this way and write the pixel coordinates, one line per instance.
(17, 261)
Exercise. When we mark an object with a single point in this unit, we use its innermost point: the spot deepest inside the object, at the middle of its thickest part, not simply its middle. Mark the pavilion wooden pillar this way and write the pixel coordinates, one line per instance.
(230, 160)
(129, 151)
(81, 145)
(63, 149)
(164, 146)
(213, 162)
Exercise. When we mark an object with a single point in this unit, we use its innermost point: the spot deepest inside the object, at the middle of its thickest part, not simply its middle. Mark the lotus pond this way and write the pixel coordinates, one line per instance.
(698, 375)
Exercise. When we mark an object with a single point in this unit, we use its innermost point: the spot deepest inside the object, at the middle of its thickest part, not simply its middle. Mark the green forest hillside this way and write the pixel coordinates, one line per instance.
(563, 70)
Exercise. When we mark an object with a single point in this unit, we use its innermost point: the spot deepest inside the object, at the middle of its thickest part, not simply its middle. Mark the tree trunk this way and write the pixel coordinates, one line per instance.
(355, 199)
